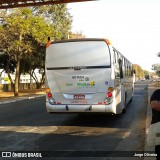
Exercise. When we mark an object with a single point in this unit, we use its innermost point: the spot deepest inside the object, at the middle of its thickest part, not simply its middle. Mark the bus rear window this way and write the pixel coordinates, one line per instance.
(79, 53)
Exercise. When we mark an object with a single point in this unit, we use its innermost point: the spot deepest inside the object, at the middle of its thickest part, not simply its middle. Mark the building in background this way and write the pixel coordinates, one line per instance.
(24, 78)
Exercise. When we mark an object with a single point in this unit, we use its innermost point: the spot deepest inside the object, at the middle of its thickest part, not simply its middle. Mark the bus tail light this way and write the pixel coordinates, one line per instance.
(109, 97)
(109, 94)
(50, 96)
(48, 93)
(48, 90)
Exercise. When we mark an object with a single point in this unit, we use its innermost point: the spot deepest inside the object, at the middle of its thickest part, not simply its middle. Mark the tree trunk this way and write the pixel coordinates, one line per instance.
(38, 85)
(9, 76)
(16, 89)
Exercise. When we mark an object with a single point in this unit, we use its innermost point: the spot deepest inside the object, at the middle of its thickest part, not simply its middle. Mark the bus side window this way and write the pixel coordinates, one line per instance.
(117, 72)
(130, 71)
(115, 57)
(120, 68)
(125, 68)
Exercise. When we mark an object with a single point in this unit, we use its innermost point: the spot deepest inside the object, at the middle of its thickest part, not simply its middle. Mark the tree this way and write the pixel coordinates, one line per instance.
(16, 25)
(156, 68)
(59, 17)
(153, 75)
(7, 61)
(8, 65)
(24, 33)
(146, 74)
(76, 35)
(60, 20)
(139, 71)
(36, 61)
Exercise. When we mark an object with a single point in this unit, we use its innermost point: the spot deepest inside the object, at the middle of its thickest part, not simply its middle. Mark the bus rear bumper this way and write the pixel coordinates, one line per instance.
(80, 108)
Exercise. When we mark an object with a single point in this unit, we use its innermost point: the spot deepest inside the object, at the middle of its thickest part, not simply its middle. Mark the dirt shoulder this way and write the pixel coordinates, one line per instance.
(155, 84)
(22, 93)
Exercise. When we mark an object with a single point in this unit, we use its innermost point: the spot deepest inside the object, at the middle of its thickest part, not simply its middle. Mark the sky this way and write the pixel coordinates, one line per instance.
(133, 26)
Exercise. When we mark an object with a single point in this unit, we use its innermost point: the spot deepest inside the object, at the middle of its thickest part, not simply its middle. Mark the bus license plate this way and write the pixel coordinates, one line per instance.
(79, 96)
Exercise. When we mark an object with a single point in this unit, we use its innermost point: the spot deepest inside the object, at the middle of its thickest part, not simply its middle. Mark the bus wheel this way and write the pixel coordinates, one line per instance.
(132, 96)
(124, 110)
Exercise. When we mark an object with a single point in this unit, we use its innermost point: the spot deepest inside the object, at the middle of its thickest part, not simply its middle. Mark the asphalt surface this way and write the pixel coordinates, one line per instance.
(148, 120)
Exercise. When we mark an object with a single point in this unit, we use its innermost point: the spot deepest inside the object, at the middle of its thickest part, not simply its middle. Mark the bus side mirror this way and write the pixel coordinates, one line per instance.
(120, 68)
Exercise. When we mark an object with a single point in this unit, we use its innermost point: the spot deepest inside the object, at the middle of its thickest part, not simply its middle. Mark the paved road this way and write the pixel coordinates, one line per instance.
(26, 126)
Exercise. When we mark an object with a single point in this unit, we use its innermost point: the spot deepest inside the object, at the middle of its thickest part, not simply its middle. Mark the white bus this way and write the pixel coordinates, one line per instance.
(87, 76)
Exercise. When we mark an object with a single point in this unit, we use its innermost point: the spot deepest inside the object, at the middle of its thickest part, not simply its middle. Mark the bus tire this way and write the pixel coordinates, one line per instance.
(131, 99)
(124, 110)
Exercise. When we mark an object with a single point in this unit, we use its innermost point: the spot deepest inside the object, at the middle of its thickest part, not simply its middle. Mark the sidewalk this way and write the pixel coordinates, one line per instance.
(8, 97)
(151, 89)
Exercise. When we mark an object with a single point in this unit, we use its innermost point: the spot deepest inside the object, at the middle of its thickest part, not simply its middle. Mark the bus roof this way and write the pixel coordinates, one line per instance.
(82, 39)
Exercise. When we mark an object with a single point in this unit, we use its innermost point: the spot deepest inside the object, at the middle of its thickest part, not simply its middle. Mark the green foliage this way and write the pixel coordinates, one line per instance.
(36, 60)
(24, 33)
(146, 74)
(7, 63)
(59, 17)
(76, 35)
(22, 22)
(139, 71)
(156, 68)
